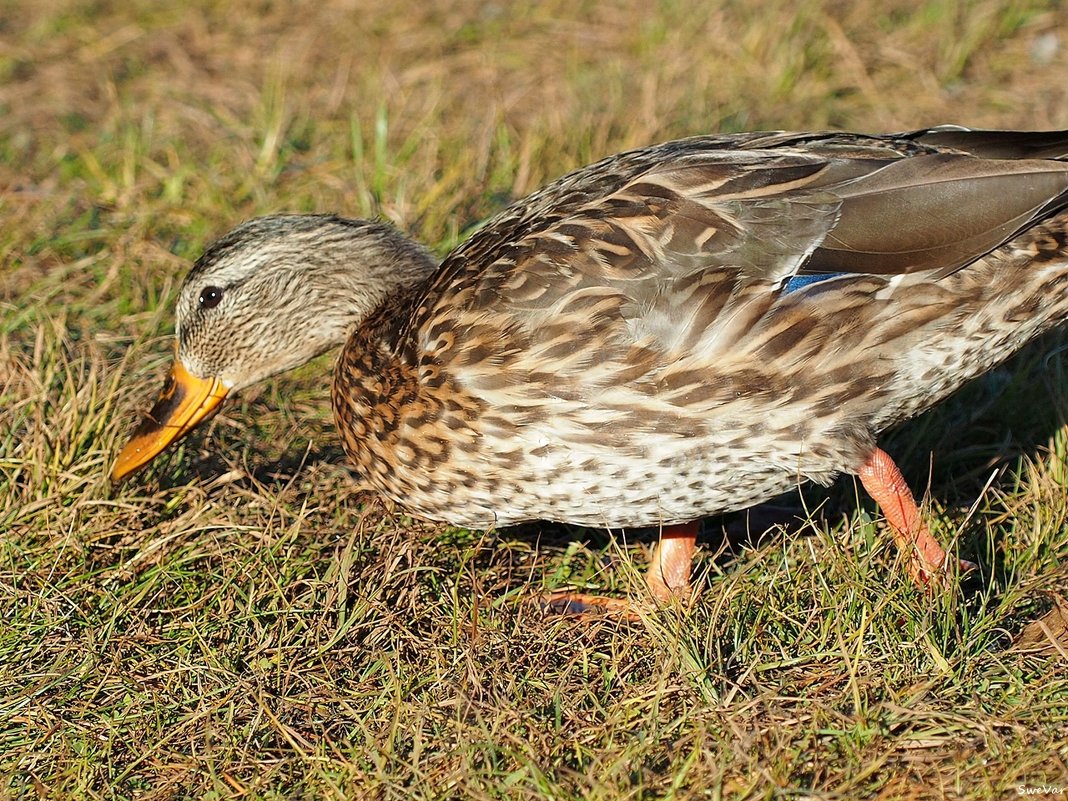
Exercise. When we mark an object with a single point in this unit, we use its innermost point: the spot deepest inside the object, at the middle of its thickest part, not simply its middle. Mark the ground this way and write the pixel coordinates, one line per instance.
(241, 622)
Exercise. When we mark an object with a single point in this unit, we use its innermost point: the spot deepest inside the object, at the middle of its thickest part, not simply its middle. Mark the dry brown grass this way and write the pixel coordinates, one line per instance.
(240, 624)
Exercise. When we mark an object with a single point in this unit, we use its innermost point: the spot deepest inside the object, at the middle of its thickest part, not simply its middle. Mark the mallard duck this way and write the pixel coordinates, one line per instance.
(673, 332)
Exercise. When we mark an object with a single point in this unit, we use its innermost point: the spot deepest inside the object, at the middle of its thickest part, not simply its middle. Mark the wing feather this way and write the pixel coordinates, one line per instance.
(685, 247)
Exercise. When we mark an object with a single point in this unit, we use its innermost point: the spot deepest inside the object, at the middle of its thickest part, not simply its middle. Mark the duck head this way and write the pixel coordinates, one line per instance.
(267, 297)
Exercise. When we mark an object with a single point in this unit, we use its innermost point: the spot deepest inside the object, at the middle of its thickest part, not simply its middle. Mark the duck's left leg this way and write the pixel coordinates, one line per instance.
(669, 567)
(925, 557)
(668, 577)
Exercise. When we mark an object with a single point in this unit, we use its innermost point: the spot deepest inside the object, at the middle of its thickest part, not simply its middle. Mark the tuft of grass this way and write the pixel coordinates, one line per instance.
(243, 622)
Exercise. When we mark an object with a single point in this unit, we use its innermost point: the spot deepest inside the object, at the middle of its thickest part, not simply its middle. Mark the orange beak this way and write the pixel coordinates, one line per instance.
(185, 402)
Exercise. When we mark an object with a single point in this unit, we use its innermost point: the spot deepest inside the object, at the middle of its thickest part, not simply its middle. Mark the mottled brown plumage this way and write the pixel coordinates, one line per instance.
(673, 332)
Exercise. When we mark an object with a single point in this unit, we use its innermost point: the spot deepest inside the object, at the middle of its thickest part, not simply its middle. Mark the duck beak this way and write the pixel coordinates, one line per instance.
(185, 402)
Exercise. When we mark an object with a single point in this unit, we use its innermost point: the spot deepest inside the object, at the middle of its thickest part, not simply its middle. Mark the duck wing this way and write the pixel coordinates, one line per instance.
(660, 250)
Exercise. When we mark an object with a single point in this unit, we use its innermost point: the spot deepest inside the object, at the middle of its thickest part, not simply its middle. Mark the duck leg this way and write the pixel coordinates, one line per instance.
(925, 557)
(669, 566)
(668, 577)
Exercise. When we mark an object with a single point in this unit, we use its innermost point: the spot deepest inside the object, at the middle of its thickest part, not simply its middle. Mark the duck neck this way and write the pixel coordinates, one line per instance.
(395, 266)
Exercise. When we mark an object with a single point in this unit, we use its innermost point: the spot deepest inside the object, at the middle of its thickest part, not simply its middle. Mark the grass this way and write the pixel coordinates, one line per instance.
(240, 623)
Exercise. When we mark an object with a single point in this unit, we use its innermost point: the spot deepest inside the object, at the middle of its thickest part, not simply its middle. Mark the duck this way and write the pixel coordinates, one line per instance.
(673, 332)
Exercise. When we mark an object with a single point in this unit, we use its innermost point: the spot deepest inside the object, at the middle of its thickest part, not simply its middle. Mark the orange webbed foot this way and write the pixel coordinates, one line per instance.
(583, 604)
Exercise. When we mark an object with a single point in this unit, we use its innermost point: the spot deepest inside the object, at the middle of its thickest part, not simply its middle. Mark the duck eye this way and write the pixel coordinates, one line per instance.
(210, 297)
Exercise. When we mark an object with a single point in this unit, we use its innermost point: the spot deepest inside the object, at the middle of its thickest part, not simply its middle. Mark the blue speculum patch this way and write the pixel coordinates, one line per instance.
(801, 281)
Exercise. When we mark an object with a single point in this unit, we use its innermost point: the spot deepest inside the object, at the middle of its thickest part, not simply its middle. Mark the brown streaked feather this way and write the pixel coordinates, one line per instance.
(638, 303)
(784, 204)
